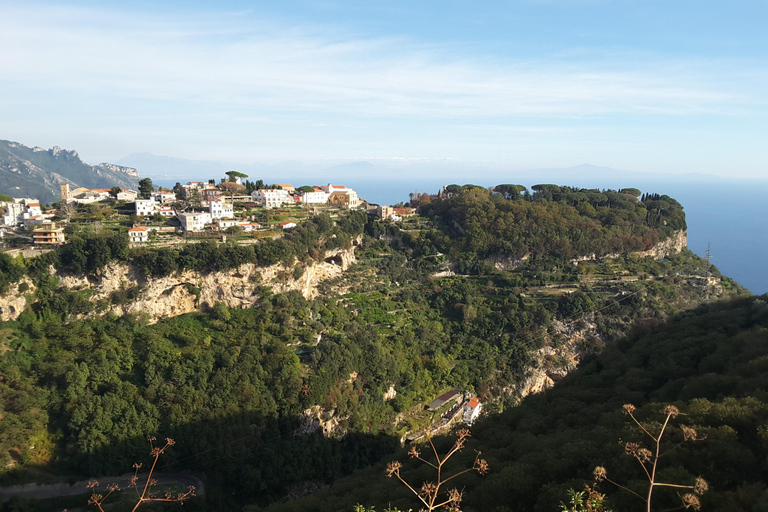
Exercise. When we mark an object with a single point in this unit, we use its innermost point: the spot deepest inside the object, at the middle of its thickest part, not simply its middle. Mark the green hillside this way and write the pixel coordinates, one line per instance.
(711, 363)
(422, 311)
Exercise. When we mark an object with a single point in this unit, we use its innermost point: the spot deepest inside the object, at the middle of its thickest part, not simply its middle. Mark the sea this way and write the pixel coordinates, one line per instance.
(730, 217)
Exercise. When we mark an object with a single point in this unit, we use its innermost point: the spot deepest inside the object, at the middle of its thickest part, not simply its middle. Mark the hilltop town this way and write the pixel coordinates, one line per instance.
(234, 207)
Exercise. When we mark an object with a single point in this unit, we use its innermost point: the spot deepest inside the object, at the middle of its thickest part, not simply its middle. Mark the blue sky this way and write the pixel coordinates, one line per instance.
(666, 87)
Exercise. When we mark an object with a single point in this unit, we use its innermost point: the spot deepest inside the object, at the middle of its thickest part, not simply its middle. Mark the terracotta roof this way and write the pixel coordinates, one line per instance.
(138, 229)
(473, 403)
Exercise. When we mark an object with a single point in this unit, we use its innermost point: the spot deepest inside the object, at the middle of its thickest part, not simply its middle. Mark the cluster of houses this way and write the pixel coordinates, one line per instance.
(216, 199)
(220, 204)
(27, 213)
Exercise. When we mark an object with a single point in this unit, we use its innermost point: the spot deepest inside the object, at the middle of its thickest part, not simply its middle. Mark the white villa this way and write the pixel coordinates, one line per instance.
(145, 207)
(319, 196)
(220, 210)
(138, 234)
(472, 410)
(271, 198)
(195, 221)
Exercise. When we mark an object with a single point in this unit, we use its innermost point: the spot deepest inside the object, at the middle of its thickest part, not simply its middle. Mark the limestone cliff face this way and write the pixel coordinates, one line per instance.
(13, 302)
(676, 243)
(553, 362)
(189, 291)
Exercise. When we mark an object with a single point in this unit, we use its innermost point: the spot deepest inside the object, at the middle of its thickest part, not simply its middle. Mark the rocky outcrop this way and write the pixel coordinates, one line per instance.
(317, 419)
(676, 243)
(189, 291)
(553, 362)
(507, 263)
(13, 302)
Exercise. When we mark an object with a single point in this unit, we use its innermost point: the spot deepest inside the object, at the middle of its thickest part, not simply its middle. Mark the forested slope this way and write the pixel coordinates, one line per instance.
(82, 387)
(712, 363)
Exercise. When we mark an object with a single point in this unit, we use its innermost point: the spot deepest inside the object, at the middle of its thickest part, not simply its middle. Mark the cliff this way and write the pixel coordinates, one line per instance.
(185, 291)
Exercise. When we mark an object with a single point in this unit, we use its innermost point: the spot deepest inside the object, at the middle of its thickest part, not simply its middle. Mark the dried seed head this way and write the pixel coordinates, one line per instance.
(413, 452)
(95, 499)
(481, 466)
(428, 489)
(632, 449)
(691, 501)
(113, 487)
(393, 468)
(671, 411)
(689, 433)
(169, 441)
(92, 484)
(644, 454)
(463, 433)
(628, 408)
(701, 486)
(600, 474)
(455, 496)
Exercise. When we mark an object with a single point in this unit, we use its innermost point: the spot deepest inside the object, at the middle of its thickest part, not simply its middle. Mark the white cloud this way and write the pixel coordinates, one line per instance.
(233, 60)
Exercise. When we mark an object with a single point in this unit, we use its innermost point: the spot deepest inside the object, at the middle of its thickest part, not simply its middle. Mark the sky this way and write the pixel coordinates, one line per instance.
(648, 86)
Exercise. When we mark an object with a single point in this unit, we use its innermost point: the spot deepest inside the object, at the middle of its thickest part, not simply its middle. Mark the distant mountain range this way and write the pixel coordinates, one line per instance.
(407, 171)
(37, 172)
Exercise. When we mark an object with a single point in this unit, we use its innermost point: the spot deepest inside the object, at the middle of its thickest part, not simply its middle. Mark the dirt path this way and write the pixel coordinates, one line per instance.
(44, 491)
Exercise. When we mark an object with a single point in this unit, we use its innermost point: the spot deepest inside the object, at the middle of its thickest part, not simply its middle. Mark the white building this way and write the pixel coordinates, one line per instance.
(330, 189)
(472, 410)
(221, 210)
(165, 197)
(287, 225)
(319, 196)
(195, 221)
(145, 207)
(250, 226)
(167, 211)
(20, 210)
(271, 198)
(138, 234)
(127, 195)
(227, 223)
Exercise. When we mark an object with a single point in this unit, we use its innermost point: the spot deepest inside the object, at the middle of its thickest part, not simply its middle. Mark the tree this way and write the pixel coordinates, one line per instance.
(114, 191)
(233, 175)
(231, 187)
(146, 188)
(510, 191)
(67, 210)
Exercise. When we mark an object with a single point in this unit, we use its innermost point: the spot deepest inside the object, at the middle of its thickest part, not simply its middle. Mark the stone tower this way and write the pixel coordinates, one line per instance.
(65, 194)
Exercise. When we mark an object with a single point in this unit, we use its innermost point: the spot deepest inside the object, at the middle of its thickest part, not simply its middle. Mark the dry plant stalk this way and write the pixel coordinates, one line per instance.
(145, 495)
(429, 495)
(649, 461)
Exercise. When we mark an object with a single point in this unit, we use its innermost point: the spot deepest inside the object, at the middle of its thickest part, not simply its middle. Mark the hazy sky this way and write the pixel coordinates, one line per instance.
(675, 87)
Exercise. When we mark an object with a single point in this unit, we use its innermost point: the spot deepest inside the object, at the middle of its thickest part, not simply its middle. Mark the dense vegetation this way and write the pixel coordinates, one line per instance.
(712, 363)
(78, 394)
(555, 222)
